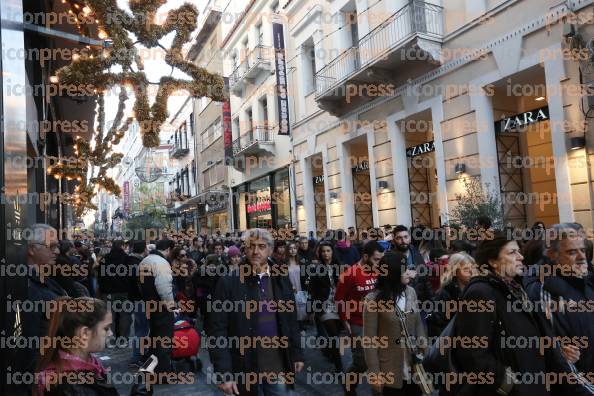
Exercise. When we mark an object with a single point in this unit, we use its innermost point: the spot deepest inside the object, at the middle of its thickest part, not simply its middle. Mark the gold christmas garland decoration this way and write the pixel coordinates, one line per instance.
(94, 162)
(94, 68)
(117, 24)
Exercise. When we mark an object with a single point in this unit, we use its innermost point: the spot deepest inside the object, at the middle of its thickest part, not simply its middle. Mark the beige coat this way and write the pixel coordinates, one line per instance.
(382, 329)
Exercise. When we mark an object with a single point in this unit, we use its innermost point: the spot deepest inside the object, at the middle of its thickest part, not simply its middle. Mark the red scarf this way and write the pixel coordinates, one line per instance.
(68, 363)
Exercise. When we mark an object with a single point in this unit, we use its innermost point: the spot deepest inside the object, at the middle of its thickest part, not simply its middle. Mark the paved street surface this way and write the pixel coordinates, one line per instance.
(118, 359)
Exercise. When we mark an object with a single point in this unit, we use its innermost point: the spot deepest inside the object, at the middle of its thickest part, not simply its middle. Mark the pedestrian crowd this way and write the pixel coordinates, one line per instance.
(417, 316)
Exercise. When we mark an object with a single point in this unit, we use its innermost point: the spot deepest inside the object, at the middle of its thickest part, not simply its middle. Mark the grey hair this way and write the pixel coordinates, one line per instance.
(38, 232)
(559, 232)
(259, 233)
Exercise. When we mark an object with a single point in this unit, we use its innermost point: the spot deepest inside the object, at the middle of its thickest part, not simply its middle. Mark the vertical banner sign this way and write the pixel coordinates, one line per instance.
(126, 197)
(227, 133)
(281, 79)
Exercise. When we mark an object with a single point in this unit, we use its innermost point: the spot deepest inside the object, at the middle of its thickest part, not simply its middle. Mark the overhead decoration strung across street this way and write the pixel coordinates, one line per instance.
(94, 160)
(147, 167)
(116, 25)
(94, 67)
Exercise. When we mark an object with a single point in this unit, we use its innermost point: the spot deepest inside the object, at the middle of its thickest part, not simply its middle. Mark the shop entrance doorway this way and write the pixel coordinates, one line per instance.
(525, 152)
(317, 172)
(363, 203)
(422, 174)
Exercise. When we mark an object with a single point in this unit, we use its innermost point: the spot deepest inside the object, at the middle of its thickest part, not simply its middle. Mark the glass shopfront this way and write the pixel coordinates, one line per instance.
(263, 203)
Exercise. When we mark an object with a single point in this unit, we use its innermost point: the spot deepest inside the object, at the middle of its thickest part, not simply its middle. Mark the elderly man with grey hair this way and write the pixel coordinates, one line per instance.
(254, 327)
(567, 294)
(42, 249)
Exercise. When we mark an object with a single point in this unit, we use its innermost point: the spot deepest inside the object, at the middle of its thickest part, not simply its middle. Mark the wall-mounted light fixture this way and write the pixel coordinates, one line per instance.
(382, 185)
(577, 143)
(540, 99)
(333, 196)
(460, 169)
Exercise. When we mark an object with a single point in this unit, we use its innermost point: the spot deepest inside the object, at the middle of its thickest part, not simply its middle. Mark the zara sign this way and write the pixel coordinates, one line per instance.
(520, 121)
(420, 149)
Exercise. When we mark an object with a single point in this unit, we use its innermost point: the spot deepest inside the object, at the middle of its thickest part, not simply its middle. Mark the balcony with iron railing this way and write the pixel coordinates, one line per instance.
(177, 151)
(257, 141)
(417, 24)
(257, 61)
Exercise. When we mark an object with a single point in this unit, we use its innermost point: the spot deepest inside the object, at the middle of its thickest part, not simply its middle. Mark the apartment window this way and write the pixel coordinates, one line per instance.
(264, 110)
(352, 20)
(309, 66)
(194, 171)
(245, 48)
(191, 120)
(275, 7)
(259, 35)
(214, 174)
(217, 129)
(185, 135)
(249, 120)
(212, 133)
(235, 127)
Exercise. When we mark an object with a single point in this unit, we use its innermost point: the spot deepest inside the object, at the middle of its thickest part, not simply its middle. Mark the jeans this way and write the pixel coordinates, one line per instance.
(358, 366)
(267, 389)
(141, 329)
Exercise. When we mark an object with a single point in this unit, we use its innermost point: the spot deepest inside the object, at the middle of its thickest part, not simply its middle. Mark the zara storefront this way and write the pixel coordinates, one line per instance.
(510, 113)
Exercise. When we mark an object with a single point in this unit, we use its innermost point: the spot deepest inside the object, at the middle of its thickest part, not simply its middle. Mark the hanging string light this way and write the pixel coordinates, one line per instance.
(90, 169)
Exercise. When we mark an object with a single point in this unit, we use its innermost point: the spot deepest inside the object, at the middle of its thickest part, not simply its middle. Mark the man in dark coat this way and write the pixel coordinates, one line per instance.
(262, 347)
(421, 282)
(42, 250)
(141, 324)
(570, 288)
(114, 286)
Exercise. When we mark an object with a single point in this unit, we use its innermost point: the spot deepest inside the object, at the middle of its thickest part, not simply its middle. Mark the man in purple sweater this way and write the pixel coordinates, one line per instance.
(254, 339)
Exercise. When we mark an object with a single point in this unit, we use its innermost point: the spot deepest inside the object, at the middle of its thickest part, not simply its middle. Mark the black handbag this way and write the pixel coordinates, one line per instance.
(439, 359)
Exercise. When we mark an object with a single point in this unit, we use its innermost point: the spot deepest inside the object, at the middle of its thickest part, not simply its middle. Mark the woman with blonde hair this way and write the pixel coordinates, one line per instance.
(460, 269)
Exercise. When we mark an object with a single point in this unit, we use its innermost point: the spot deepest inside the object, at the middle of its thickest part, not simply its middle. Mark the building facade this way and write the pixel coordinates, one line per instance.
(212, 202)
(260, 151)
(398, 103)
(182, 181)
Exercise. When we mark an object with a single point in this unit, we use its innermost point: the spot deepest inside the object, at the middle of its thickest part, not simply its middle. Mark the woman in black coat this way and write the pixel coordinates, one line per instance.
(322, 286)
(459, 271)
(499, 321)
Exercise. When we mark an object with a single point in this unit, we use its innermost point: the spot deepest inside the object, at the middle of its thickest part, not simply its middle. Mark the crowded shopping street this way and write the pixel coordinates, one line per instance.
(297, 197)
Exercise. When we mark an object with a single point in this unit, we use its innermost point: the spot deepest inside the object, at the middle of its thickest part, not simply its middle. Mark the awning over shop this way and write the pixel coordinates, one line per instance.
(208, 199)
